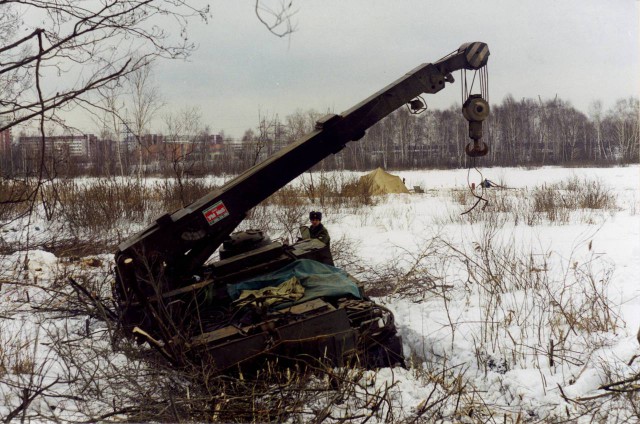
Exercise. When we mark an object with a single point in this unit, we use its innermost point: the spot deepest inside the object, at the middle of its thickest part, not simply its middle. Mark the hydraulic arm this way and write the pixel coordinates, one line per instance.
(177, 244)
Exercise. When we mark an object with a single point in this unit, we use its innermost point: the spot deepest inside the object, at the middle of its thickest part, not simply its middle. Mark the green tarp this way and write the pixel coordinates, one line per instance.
(318, 280)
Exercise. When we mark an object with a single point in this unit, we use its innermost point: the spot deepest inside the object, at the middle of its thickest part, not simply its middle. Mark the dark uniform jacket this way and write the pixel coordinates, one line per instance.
(320, 233)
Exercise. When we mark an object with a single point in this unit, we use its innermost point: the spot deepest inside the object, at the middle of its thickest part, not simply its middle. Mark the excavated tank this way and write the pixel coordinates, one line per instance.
(267, 301)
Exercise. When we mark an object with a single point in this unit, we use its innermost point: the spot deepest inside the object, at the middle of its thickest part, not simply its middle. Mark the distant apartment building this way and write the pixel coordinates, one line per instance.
(212, 146)
(202, 148)
(87, 152)
(133, 142)
(72, 146)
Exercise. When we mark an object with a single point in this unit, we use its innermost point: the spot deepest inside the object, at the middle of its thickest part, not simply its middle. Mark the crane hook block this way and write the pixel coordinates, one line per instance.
(476, 149)
(475, 109)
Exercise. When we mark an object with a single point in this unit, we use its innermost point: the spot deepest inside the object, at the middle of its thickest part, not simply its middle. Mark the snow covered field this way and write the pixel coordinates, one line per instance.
(516, 315)
(526, 348)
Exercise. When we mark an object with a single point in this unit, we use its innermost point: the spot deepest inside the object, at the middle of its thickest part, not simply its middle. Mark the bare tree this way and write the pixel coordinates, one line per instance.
(183, 129)
(145, 104)
(624, 128)
(12, 82)
(276, 16)
(262, 145)
(64, 51)
(72, 48)
(110, 120)
(595, 113)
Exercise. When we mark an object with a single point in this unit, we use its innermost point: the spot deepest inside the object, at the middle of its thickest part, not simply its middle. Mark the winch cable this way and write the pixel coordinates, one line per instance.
(472, 190)
(484, 92)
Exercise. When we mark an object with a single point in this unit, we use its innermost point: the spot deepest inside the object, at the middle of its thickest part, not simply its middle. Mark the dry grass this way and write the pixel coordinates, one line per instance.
(15, 196)
(572, 200)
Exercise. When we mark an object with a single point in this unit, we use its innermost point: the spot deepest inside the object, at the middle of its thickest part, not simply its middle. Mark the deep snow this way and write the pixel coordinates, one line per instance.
(499, 345)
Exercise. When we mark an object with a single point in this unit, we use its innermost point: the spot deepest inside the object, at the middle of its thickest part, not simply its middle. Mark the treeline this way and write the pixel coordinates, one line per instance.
(519, 133)
(525, 132)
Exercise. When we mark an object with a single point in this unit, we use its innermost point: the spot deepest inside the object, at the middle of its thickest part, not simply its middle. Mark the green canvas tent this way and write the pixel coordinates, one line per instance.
(383, 183)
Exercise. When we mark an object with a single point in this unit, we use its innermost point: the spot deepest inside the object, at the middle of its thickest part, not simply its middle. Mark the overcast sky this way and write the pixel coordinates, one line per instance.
(345, 50)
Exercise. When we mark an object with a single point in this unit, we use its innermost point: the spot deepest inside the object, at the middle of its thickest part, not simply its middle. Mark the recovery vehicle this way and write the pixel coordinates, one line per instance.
(264, 299)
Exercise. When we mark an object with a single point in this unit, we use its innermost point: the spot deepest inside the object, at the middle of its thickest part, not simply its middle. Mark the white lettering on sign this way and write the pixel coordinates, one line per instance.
(215, 213)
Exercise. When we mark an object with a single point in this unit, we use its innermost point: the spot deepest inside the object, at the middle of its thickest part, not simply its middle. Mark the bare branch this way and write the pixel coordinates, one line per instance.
(279, 20)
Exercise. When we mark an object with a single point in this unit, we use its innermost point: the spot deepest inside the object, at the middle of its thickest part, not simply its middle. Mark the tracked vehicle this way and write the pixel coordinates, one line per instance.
(262, 299)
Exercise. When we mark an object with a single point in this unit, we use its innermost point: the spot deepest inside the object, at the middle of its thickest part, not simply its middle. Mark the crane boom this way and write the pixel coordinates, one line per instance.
(177, 243)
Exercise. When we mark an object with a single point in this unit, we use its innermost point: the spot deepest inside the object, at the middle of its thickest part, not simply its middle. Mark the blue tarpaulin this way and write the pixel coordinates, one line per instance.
(318, 280)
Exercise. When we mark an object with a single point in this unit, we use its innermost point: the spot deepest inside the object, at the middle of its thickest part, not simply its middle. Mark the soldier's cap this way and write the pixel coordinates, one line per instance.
(315, 215)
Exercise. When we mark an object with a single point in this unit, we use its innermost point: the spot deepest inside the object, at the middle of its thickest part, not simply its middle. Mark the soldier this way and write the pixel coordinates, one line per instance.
(318, 231)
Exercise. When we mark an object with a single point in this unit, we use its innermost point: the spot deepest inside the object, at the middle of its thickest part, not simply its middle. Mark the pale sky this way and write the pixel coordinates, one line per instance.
(345, 50)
